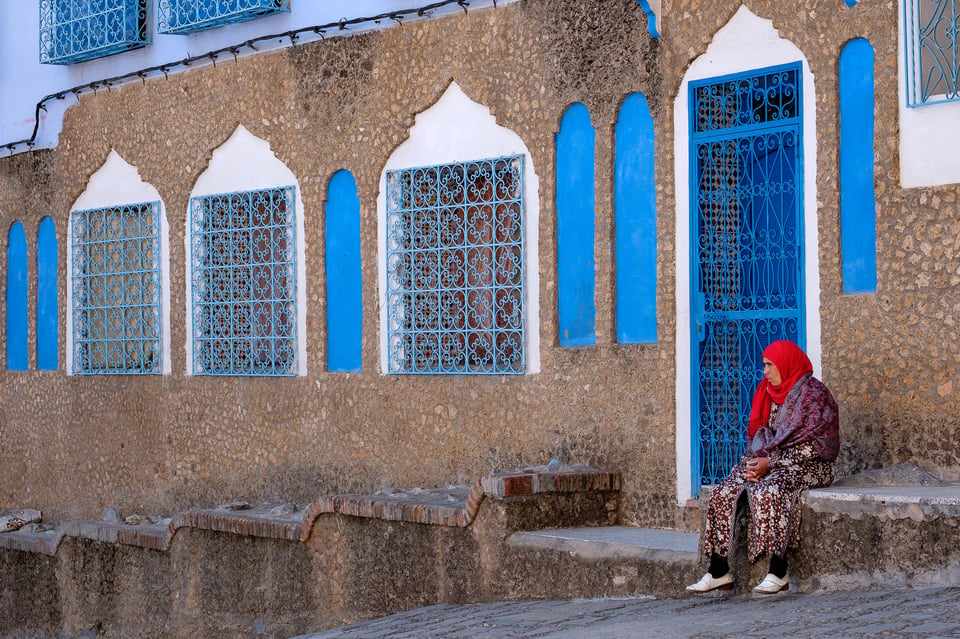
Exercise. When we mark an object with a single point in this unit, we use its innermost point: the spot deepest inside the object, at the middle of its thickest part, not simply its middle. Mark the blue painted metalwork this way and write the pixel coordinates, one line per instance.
(344, 282)
(74, 31)
(858, 200)
(47, 314)
(575, 228)
(635, 205)
(932, 51)
(243, 277)
(190, 16)
(746, 258)
(455, 268)
(851, 3)
(17, 359)
(115, 280)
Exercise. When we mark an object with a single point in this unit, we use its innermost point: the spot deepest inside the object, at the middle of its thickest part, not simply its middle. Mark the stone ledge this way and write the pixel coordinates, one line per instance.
(536, 480)
(886, 502)
(454, 506)
(613, 542)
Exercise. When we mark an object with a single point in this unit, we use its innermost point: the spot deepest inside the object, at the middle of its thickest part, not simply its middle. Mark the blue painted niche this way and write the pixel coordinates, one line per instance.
(858, 227)
(344, 287)
(575, 228)
(17, 298)
(47, 343)
(635, 205)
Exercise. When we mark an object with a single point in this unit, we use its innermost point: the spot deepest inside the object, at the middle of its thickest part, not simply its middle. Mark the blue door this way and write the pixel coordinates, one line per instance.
(746, 190)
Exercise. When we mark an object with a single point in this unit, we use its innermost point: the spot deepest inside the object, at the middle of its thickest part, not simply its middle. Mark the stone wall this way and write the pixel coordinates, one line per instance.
(73, 445)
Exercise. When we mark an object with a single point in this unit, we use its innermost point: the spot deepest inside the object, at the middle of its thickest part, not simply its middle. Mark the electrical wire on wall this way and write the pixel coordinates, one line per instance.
(211, 57)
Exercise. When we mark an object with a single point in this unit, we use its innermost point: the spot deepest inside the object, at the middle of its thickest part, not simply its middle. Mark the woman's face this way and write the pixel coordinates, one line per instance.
(771, 372)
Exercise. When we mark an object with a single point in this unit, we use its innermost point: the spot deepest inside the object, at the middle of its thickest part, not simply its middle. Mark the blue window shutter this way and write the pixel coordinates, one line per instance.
(344, 284)
(47, 346)
(635, 204)
(858, 229)
(17, 299)
(575, 228)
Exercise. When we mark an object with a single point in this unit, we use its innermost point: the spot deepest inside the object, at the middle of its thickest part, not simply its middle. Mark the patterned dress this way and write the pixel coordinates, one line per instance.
(798, 461)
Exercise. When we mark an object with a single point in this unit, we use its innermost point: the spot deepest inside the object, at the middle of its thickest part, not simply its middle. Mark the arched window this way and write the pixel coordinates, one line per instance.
(458, 240)
(246, 265)
(117, 291)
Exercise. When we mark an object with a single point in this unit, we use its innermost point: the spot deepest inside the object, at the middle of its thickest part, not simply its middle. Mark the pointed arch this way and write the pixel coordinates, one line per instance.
(246, 217)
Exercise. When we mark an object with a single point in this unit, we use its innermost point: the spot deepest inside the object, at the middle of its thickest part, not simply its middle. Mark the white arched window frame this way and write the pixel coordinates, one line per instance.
(246, 270)
(456, 131)
(118, 294)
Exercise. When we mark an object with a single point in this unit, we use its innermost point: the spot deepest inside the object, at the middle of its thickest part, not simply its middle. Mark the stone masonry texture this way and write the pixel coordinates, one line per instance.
(73, 445)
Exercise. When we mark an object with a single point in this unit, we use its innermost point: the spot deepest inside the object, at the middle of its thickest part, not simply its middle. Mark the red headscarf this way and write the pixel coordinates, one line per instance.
(793, 364)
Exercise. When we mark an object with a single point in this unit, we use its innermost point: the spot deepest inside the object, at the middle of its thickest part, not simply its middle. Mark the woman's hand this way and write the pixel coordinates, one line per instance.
(757, 468)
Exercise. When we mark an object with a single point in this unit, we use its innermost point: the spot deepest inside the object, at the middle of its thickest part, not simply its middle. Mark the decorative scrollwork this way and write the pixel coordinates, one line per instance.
(931, 29)
(115, 280)
(190, 16)
(745, 150)
(72, 32)
(455, 268)
(243, 283)
(746, 101)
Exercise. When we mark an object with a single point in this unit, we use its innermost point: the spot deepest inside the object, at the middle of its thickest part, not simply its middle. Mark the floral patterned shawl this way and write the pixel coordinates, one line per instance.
(808, 414)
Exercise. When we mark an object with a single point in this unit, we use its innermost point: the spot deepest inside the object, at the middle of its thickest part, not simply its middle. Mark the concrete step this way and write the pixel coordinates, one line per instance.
(614, 561)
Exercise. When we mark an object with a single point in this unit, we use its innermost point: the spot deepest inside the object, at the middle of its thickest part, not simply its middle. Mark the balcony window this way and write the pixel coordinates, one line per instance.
(189, 16)
(74, 31)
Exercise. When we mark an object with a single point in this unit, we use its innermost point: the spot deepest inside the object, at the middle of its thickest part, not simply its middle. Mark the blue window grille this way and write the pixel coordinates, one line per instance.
(189, 16)
(455, 280)
(242, 254)
(746, 256)
(115, 279)
(79, 30)
(932, 49)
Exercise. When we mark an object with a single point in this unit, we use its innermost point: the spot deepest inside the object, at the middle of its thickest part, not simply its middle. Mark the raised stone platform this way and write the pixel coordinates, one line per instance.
(276, 570)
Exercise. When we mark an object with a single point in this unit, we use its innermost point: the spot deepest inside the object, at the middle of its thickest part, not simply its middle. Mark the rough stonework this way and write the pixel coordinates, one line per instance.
(71, 446)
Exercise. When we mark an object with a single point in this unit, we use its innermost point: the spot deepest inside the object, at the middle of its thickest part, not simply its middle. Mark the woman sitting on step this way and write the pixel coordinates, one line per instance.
(792, 441)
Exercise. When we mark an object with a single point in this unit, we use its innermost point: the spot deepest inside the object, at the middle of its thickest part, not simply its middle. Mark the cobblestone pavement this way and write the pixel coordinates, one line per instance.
(932, 613)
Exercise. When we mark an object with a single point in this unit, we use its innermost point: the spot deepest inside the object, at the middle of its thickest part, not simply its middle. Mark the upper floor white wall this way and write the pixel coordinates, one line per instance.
(24, 81)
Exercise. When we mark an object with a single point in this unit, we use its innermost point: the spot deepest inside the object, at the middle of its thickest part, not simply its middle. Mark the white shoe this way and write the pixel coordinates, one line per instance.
(772, 584)
(709, 583)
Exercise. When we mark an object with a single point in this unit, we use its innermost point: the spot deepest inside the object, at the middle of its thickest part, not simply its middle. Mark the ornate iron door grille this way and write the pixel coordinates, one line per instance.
(455, 268)
(746, 257)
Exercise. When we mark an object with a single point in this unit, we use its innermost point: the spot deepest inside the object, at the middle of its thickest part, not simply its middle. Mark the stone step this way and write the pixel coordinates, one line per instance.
(613, 542)
(614, 561)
